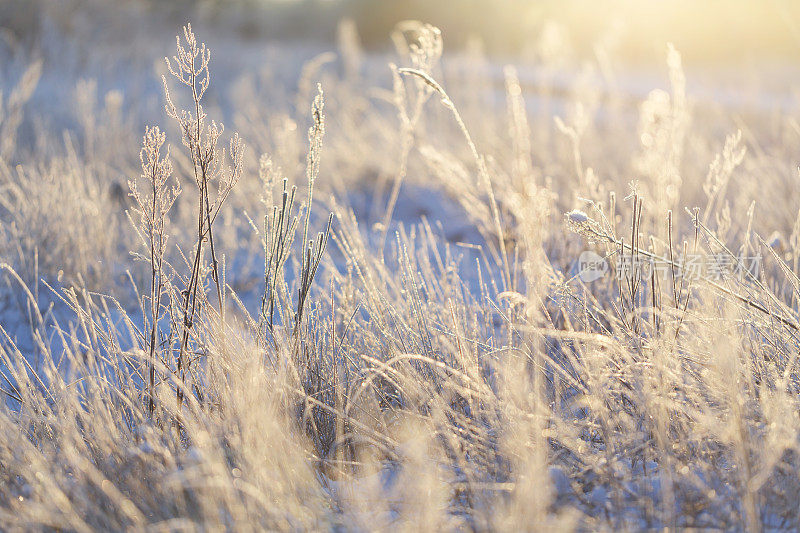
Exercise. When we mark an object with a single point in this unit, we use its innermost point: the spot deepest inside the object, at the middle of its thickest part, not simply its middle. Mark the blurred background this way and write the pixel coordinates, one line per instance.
(718, 31)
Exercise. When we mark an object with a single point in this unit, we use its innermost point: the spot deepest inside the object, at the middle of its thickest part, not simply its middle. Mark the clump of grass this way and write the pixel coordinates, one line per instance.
(377, 379)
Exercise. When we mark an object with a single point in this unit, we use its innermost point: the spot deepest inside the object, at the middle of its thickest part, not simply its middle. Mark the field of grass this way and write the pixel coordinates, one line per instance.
(414, 290)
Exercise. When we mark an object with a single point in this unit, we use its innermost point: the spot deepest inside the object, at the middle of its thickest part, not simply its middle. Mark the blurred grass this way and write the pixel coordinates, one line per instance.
(711, 31)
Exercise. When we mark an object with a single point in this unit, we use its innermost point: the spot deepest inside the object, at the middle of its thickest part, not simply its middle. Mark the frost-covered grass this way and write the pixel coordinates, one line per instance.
(189, 341)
